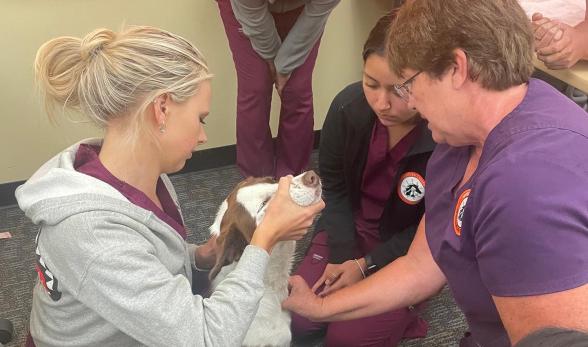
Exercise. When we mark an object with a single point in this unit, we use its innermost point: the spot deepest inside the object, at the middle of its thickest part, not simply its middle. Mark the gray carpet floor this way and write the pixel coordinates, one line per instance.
(200, 194)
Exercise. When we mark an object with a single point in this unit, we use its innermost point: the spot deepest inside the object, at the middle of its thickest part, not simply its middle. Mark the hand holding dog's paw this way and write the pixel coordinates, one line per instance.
(284, 219)
(302, 300)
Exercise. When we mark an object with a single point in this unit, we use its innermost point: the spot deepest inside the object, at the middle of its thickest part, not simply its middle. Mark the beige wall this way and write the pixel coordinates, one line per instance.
(27, 139)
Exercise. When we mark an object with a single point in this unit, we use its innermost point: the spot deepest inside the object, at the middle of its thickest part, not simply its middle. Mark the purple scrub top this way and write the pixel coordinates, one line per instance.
(519, 226)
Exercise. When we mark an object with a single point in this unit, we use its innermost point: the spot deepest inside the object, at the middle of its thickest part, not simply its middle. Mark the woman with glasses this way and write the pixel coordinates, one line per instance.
(506, 219)
(373, 154)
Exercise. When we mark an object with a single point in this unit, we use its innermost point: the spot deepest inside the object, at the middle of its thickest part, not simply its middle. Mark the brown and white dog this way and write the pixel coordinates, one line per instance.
(235, 222)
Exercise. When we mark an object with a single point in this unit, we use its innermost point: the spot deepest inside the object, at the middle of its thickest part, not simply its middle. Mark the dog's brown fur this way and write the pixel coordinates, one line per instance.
(237, 228)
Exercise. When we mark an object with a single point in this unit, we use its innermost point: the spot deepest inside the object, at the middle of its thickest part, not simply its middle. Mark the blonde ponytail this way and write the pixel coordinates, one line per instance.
(107, 75)
(58, 66)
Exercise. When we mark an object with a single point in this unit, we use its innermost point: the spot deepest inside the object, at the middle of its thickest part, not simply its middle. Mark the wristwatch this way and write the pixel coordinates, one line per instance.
(370, 266)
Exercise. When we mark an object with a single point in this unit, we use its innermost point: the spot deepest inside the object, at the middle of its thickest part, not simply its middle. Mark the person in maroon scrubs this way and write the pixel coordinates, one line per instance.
(372, 158)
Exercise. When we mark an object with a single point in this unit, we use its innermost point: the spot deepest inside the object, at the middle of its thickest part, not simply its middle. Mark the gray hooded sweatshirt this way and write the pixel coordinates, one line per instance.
(258, 25)
(114, 274)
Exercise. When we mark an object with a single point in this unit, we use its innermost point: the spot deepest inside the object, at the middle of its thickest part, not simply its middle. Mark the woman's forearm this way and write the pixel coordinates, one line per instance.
(399, 284)
(406, 281)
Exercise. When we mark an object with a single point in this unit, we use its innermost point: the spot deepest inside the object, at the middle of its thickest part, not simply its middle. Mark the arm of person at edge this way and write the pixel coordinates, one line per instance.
(523, 315)
(282, 58)
(301, 39)
(558, 45)
(349, 272)
(258, 25)
(406, 281)
(337, 218)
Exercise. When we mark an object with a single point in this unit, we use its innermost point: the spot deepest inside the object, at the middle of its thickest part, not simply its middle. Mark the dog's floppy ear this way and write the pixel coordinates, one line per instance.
(232, 245)
(237, 228)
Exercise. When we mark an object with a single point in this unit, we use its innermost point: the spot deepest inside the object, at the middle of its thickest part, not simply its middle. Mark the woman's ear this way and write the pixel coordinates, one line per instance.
(460, 68)
(160, 104)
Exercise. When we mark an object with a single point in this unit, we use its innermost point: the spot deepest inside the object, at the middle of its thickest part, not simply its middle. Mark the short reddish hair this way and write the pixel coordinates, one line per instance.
(496, 36)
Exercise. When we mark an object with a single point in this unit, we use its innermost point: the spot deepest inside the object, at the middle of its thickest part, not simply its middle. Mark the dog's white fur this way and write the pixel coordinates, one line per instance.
(271, 325)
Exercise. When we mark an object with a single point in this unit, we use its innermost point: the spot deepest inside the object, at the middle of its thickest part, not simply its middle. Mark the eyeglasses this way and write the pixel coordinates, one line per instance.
(403, 90)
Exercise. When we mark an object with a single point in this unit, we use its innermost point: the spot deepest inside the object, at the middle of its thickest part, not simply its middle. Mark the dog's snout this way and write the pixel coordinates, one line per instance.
(310, 179)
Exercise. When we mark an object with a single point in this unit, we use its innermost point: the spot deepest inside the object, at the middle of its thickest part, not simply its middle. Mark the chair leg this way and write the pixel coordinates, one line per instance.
(6, 331)
(579, 98)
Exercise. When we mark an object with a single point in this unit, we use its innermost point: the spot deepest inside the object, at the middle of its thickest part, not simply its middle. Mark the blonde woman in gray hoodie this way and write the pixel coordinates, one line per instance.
(114, 267)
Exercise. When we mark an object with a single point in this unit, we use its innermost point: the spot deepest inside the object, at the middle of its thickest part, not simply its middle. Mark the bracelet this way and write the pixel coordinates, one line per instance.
(360, 269)
(370, 266)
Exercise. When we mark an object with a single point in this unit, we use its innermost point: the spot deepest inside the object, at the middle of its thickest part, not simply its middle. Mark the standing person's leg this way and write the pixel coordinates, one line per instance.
(255, 148)
(311, 268)
(295, 137)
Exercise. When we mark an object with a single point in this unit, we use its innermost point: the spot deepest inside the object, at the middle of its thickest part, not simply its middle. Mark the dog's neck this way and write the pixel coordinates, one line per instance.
(279, 266)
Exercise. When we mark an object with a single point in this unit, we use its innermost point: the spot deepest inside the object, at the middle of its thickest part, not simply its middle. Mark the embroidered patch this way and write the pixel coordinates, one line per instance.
(47, 279)
(411, 188)
(459, 211)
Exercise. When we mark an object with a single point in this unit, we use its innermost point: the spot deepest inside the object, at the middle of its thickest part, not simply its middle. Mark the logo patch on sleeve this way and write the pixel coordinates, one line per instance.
(47, 279)
(411, 188)
(459, 211)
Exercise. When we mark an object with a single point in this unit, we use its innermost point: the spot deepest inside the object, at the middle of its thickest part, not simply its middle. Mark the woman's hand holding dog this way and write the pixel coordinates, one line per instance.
(284, 219)
(205, 254)
(337, 276)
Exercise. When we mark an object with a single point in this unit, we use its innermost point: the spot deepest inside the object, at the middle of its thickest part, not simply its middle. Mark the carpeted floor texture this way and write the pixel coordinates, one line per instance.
(200, 194)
